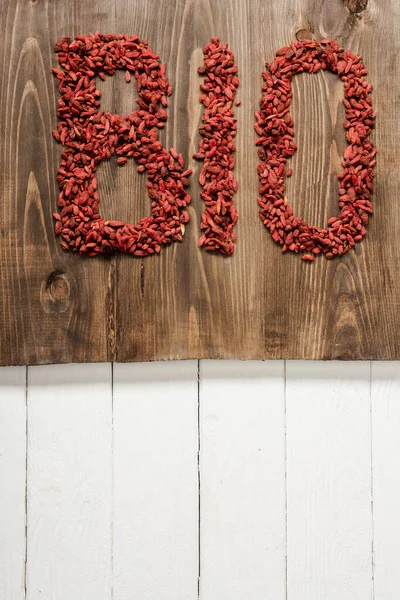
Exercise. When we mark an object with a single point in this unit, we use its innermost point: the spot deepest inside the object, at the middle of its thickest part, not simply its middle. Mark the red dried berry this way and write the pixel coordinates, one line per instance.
(217, 148)
(274, 125)
(91, 135)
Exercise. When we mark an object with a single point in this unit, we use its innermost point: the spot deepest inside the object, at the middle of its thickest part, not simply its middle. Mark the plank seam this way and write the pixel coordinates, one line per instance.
(26, 483)
(112, 487)
(372, 484)
(198, 481)
(286, 487)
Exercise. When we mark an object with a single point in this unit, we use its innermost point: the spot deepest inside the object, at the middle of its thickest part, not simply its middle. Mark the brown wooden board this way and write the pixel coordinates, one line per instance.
(59, 307)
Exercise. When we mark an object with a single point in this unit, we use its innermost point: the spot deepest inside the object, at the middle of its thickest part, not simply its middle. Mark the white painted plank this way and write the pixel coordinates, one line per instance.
(12, 482)
(69, 482)
(155, 481)
(385, 393)
(329, 481)
(242, 470)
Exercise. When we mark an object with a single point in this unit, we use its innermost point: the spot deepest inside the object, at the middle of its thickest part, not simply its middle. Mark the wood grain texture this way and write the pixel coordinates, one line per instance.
(329, 518)
(56, 307)
(69, 482)
(242, 480)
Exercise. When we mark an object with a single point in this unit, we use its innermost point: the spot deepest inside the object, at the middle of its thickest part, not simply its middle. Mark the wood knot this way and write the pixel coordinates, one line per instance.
(55, 292)
(303, 34)
(356, 6)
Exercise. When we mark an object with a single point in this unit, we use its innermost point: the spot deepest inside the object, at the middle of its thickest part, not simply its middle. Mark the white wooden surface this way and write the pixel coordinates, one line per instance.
(242, 485)
(218, 480)
(69, 482)
(329, 481)
(12, 482)
(155, 510)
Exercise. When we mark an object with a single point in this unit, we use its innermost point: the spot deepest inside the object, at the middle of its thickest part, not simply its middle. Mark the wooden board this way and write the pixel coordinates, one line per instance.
(155, 427)
(58, 307)
(260, 480)
(328, 468)
(68, 482)
(242, 441)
